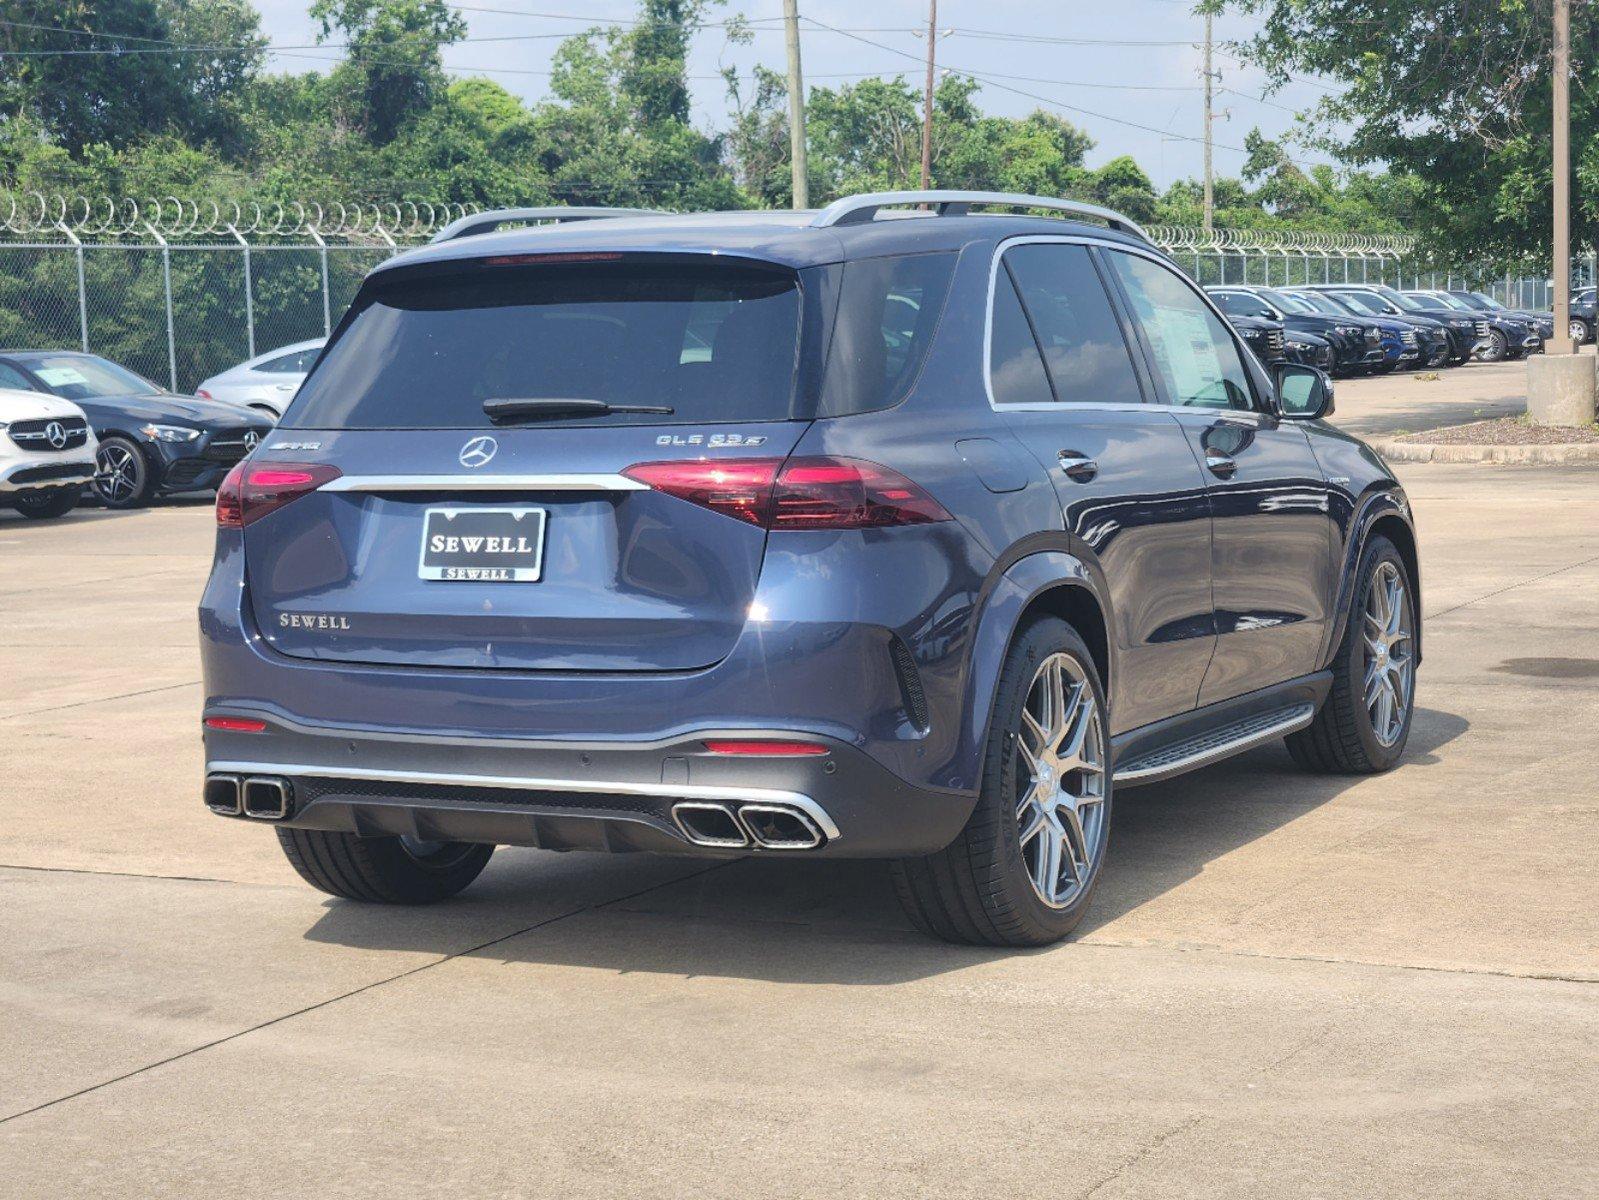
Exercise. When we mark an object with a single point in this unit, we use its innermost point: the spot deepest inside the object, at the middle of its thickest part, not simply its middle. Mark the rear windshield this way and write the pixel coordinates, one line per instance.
(714, 343)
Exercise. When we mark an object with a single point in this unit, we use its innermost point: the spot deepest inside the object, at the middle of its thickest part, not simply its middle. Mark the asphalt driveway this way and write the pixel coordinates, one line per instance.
(1290, 985)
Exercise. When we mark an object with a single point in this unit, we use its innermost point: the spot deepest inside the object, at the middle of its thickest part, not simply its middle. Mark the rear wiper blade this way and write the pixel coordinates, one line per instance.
(533, 408)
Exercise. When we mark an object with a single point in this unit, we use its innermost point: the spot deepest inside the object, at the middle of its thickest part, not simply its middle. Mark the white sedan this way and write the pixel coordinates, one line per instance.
(266, 382)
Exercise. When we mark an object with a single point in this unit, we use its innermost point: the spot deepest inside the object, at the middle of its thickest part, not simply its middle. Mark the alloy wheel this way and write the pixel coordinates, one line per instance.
(1390, 663)
(1060, 781)
(117, 474)
(1578, 332)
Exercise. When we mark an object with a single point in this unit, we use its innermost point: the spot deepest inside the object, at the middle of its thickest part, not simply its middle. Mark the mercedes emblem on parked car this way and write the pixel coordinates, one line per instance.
(252, 439)
(478, 451)
(56, 434)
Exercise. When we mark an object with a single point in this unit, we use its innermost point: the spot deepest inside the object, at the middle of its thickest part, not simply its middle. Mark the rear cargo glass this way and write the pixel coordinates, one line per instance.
(713, 343)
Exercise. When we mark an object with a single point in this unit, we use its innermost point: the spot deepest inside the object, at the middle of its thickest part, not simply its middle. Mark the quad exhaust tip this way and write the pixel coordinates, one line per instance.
(765, 826)
(262, 797)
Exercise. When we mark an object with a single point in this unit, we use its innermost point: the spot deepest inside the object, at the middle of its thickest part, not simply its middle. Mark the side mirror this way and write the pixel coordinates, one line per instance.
(1303, 393)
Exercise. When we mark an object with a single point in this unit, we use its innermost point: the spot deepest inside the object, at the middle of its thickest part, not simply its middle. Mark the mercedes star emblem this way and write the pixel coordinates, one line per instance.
(252, 439)
(478, 451)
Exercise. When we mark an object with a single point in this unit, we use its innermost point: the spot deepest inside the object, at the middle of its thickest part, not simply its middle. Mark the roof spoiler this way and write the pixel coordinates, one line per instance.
(488, 222)
(857, 210)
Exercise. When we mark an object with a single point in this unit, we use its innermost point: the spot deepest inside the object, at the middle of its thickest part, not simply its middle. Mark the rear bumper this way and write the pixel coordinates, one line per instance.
(603, 796)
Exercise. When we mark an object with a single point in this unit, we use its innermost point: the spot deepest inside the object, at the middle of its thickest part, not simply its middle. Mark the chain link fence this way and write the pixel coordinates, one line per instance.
(181, 290)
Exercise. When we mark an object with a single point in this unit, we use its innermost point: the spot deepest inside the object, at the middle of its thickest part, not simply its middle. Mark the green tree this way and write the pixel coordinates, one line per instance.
(1454, 96)
(87, 87)
(394, 70)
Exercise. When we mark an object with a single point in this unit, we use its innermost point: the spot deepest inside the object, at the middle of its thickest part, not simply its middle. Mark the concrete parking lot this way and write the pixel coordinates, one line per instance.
(1289, 985)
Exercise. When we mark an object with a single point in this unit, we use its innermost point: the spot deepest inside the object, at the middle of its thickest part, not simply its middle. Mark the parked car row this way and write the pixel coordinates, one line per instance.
(72, 420)
(1369, 329)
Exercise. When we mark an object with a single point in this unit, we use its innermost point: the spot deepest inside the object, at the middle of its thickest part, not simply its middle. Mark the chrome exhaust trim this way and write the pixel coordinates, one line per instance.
(224, 795)
(779, 827)
(265, 799)
(723, 829)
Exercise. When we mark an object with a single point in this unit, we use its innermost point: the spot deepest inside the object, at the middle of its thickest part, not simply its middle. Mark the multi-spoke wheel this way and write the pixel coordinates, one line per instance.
(1365, 721)
(1389, 667)
(1024, 869)
(1578, 330)
(1060, 812)
(122, 476)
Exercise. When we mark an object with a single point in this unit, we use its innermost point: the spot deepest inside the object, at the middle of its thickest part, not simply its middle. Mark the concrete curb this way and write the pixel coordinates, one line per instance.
(1421, 452)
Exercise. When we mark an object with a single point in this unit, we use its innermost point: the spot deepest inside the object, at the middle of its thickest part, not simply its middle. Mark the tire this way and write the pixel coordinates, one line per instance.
(382, 870)
(980, 888)
(1345, 738)
(1497, 348)
(123, 480)
(47, 505)
(1577, 330)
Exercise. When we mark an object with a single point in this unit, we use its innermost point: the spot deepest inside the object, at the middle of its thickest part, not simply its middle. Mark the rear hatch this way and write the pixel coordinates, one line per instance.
(450, 539)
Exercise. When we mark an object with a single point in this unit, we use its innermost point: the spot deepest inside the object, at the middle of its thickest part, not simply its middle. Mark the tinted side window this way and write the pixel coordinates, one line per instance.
(888, 311)
(288, 364)
(1083, 347)
(1195, 356)
(1015, 368)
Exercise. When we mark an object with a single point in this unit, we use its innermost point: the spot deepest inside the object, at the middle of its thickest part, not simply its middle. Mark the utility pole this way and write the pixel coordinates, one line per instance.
(798, 164)
(1561, 383)
(1210, 120)
(927, 97)
(1561, 343)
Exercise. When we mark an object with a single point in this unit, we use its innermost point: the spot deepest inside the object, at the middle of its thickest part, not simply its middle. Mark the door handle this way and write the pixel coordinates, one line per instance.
(1078, 465)
(1222, 466)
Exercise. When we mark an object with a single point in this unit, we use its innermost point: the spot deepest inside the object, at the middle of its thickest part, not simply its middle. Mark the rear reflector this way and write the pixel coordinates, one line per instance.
(236, 724)
(815, 492)
(254, 489)
(767, 749)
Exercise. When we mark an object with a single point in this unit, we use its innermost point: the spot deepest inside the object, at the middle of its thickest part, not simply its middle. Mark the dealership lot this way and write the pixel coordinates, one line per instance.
(1289, 985)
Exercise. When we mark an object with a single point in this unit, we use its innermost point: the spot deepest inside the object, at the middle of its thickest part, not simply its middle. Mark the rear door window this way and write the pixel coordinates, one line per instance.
(714, 343)
(1196, 359)
(1084, 351)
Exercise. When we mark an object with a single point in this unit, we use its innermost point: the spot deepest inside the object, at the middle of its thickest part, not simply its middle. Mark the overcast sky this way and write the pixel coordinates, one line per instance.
(1109, 80)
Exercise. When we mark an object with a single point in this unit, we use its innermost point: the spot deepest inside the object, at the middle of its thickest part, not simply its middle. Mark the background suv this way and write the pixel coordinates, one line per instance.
(46, 453)
(1356, 343)
(895, 530)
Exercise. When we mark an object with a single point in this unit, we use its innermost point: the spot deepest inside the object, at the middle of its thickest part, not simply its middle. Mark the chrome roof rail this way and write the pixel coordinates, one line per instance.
(488, 222)
(857, 210)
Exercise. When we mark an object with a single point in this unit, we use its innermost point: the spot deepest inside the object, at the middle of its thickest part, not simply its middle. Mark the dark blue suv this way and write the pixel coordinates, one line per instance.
(898, 530)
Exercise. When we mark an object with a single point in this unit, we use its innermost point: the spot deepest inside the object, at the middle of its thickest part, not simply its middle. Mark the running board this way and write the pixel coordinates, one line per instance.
(1215, 745)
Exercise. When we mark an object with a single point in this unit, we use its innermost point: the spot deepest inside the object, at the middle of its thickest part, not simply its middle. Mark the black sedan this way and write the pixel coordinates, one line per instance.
(151, 441)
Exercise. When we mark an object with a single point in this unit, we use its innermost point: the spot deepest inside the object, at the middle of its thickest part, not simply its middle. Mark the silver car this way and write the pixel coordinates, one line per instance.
(266, 382)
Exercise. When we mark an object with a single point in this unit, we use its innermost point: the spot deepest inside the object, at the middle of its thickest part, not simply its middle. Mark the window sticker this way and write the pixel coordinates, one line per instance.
(60, 376)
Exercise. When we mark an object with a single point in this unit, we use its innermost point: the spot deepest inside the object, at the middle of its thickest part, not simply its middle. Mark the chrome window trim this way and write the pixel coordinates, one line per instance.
(485, 483)
(532, 784)
(1097, 405)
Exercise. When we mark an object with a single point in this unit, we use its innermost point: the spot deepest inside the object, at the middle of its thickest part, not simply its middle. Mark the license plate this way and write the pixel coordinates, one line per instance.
(482, 545)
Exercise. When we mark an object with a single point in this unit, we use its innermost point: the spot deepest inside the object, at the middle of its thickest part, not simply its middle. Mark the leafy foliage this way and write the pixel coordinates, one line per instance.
(1454, 97)
(388, 123)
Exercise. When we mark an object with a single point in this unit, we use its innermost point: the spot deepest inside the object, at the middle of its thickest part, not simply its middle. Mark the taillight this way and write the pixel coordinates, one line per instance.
(816, 492)
(740, 488)
(203, 394)
(253, 489)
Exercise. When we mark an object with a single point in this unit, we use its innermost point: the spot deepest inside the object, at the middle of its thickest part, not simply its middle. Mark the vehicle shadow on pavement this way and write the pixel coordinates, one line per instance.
(788, 920)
